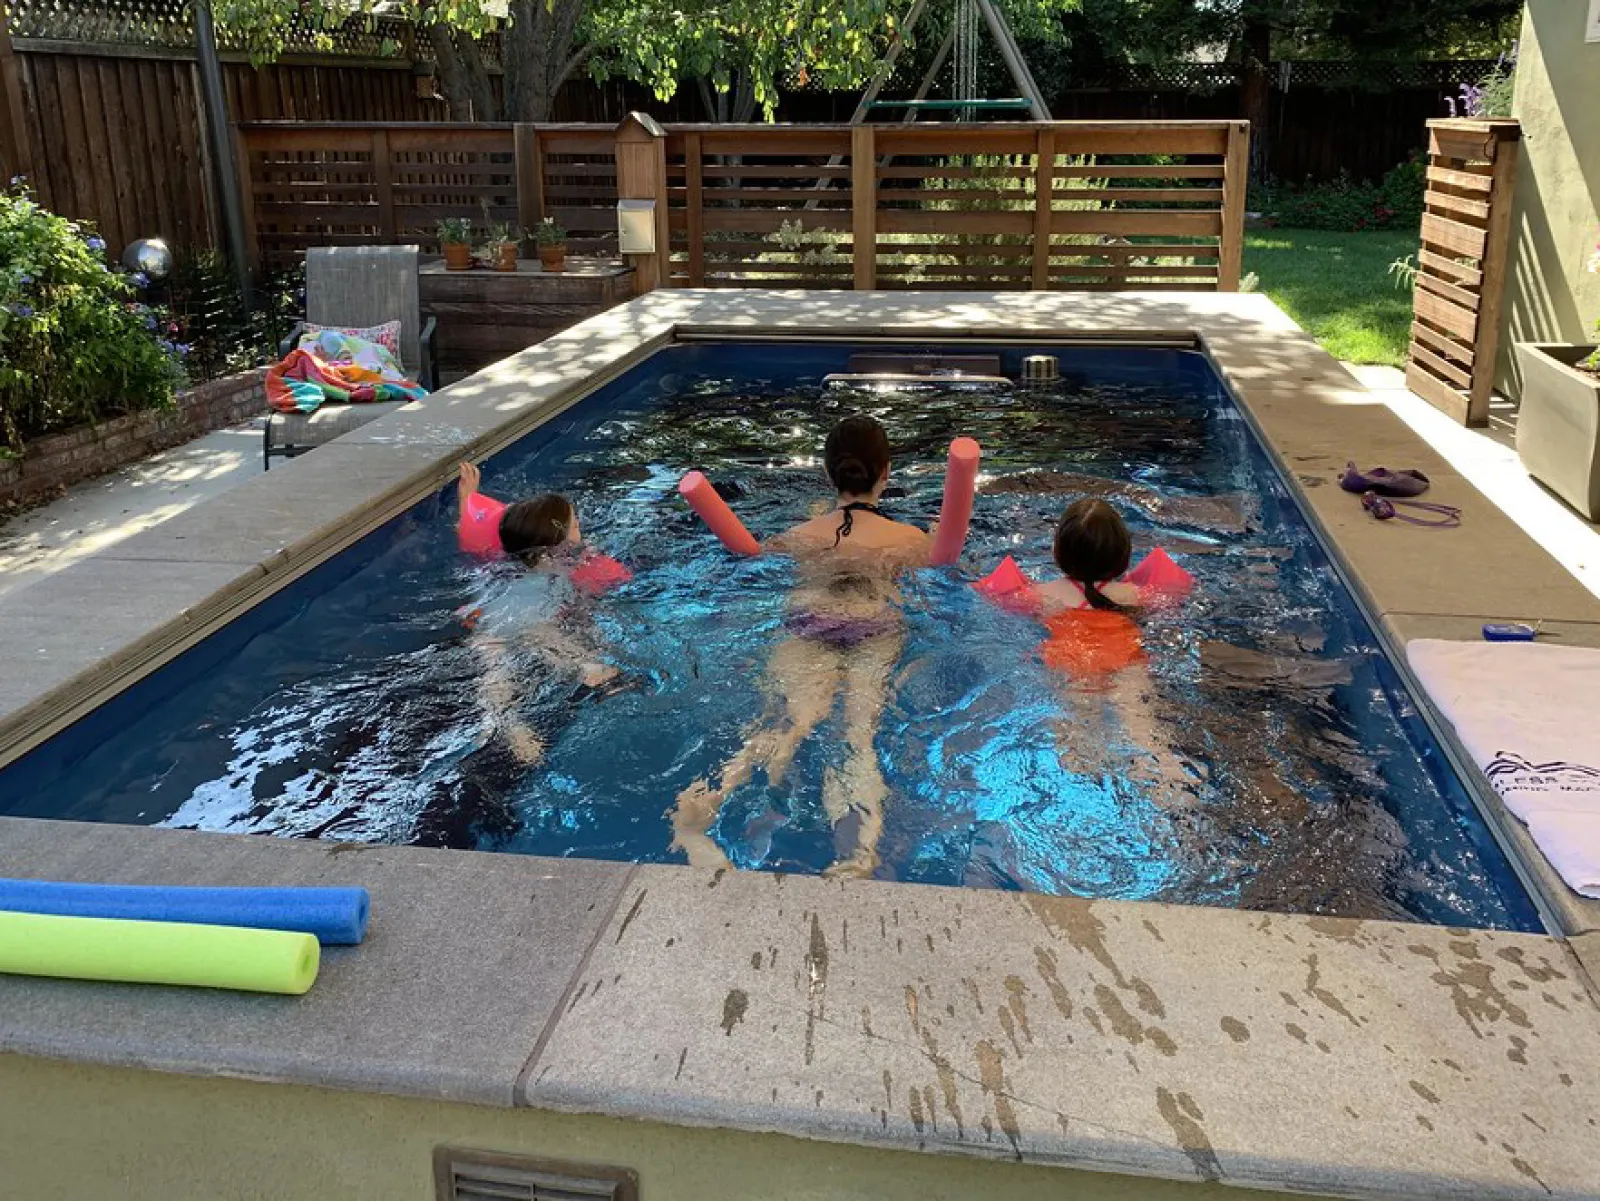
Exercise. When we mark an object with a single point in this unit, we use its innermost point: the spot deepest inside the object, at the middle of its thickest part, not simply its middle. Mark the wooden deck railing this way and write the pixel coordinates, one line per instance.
(1466, 225)
(1067, 205)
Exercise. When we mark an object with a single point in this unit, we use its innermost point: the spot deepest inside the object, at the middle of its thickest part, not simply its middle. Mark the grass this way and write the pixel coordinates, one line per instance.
(1338, 287)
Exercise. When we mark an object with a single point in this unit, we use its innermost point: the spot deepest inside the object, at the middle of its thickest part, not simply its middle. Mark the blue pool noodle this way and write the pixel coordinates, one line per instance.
(337, 916)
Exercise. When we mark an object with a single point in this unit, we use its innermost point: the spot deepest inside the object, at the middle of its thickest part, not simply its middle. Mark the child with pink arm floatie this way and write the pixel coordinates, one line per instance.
(542, 612)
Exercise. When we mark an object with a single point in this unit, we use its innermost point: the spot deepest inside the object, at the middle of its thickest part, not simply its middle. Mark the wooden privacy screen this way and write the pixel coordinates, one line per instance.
(1070, 204)
(1461, 278)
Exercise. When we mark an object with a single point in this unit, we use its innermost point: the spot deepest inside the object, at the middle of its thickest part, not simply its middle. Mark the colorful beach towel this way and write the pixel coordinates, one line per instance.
(330, 365)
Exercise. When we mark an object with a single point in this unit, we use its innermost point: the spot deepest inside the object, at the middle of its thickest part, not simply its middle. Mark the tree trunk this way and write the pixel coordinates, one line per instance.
(540, 55)
(1256, 85)
(463, 79)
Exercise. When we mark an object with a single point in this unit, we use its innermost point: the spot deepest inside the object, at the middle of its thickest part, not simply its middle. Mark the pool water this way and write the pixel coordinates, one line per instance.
(1270, 759)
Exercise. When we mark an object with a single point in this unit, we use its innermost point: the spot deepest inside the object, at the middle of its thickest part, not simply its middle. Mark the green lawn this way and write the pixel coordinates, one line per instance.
(1338, 287)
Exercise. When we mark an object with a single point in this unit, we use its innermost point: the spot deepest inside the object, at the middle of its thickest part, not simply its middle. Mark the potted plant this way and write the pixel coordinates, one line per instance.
(455, 237)
(1558, 423)
(501, 247)
(552, 242)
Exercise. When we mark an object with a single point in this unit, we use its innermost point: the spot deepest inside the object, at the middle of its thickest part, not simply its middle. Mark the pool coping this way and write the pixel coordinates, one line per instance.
(137, 604)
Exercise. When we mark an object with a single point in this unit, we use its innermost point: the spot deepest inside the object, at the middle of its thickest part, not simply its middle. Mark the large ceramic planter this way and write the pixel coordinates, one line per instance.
(457, 256)
(1558, 424)
(553, 256)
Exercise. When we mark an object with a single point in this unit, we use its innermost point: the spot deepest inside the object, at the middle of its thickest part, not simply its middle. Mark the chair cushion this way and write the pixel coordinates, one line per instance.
(304, 430)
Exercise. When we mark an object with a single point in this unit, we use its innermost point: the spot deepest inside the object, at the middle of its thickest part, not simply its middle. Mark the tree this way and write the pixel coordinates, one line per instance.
(739, 53)
(1256, 33)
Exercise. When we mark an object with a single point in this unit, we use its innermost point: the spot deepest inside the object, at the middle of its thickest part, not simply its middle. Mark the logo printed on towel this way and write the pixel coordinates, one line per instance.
(1508, 770)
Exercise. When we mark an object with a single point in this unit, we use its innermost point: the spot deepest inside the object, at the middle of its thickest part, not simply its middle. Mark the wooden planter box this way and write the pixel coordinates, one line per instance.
(1558, 425)
(486, 315)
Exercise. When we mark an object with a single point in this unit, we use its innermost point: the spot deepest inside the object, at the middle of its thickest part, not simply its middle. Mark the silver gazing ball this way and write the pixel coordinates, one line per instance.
(149, 255)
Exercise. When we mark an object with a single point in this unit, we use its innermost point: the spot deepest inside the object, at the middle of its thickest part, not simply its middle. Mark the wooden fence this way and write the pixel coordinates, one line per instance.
(1461, 278)
(1078, 205)
(117, 138)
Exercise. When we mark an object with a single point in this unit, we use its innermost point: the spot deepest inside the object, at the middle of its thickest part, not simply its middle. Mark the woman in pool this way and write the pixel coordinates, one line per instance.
(532, 636)
(1095, 643)
(844, 635)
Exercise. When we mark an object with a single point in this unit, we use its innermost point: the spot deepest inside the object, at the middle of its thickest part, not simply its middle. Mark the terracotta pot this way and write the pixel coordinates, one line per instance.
(506, 259)
(553, 257)
(457, 256)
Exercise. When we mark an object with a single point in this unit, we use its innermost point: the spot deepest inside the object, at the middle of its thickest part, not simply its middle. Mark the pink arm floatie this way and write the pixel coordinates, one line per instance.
(955, 514)
(714, 511)
(1159, 578)
(479, 531)
(1156, 576)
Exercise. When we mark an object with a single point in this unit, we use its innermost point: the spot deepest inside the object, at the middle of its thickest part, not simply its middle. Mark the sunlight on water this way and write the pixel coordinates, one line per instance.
(1273, 762)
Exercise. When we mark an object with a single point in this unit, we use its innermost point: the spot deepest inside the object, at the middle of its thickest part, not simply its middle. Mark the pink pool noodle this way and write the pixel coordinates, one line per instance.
(479, 531)
(955, 514)
(714, 511)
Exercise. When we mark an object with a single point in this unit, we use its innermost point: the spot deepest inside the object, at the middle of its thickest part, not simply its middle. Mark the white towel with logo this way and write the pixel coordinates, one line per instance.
(1529, 715)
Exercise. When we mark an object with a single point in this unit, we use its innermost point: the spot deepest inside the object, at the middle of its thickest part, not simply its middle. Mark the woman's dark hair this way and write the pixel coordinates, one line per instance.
(531, 527)
(1092, 547)
(856, 455)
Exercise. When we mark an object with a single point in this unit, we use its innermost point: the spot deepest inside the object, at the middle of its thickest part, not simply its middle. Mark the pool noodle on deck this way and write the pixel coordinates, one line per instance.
(115, 950)
(335, 916)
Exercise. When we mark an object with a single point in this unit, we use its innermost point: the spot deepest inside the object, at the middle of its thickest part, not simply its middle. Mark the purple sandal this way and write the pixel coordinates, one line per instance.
(1383, 482)
(1385, 509)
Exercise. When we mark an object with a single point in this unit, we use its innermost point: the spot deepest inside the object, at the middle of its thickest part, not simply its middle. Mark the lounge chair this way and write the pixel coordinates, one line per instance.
(355, 287)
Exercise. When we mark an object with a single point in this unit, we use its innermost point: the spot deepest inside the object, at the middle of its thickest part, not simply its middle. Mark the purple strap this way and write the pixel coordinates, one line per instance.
(1385, 509)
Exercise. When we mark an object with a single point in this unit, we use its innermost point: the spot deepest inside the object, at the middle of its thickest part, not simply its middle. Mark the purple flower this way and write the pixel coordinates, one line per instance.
(182, 348)
(149, 323)
(18, 180)
(95, 244)
(21, 310)
(24, 279)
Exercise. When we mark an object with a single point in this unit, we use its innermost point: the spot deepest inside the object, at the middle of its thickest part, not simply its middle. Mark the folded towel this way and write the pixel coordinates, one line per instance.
(1524, 712)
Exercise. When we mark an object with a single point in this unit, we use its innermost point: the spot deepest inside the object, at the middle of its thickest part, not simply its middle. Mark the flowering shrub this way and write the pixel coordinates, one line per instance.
(76, 344)
(1395, 202)
(1491, 95)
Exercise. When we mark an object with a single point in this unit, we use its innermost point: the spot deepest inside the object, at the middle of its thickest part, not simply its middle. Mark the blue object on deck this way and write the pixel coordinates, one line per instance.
(337, 916)
(1509, 631)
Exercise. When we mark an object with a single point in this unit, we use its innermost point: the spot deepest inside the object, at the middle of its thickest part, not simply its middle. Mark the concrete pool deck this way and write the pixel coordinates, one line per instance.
(1273, 1052)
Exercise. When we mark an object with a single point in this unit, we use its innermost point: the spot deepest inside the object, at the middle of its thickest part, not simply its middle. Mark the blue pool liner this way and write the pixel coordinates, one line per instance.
(337, 916)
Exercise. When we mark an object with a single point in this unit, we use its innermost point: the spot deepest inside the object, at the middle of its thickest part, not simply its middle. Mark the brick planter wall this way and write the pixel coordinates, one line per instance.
(61, 460)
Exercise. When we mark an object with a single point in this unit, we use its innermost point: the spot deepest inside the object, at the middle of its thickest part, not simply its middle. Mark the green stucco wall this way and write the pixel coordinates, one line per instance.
(70, 1132)
(1550, 298)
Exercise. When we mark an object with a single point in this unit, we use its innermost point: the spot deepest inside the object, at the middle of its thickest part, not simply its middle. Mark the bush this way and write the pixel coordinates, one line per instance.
(1345, 205)
(76, 344)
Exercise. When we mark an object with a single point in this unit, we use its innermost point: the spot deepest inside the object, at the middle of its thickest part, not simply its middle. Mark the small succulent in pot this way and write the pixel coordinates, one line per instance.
(500, 246)
(455, 237)
(552, 242)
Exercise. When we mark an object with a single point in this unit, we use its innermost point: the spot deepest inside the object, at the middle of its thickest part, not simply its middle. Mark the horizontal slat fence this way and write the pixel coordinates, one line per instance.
(1090, 205)
(1461, 265)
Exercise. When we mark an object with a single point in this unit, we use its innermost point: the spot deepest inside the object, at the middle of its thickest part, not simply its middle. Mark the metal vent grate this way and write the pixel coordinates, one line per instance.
(485, 1176)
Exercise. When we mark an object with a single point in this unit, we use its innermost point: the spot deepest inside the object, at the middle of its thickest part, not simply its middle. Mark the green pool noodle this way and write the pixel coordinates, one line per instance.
(116, 949)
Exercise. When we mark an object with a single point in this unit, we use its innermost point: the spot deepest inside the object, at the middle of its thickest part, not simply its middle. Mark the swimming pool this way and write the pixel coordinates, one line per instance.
(344, 706)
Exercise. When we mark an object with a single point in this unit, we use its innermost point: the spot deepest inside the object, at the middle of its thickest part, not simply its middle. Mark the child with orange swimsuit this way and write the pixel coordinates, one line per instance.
(1093, 640)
